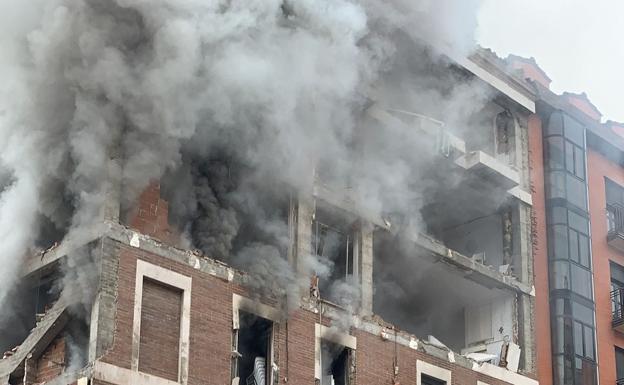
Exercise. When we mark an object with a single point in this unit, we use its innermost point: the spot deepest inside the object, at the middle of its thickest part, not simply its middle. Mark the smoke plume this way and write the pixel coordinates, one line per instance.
(231, 104)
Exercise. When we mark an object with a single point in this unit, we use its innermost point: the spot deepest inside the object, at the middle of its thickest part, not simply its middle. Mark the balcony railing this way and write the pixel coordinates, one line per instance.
(615, 225)
(619, 381)
(617, 309)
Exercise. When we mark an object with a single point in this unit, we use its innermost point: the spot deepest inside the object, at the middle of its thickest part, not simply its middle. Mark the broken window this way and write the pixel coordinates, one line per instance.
(333, 242)
(504, 135)
(252, 350)
(335, 362)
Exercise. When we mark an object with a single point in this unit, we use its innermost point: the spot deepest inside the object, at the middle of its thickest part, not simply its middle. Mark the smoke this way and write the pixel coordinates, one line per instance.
(231, 103)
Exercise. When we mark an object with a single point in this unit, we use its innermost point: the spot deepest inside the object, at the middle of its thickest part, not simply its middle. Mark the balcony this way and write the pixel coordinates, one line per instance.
(615, 222)
(619, 381)
(617, 302)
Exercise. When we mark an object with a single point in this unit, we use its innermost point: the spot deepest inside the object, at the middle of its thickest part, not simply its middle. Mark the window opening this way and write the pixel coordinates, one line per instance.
(335, 364)
(252, 350)
(428, 380)
(335, 245)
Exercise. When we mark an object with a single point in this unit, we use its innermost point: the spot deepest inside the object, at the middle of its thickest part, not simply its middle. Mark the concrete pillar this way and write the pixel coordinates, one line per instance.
(303, 239)
(526, 332)
(523, 243)
(105, 305)
(112, 202)
(366, 268)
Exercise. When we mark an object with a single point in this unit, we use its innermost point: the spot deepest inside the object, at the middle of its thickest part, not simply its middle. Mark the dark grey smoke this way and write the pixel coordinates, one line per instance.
(224, 100)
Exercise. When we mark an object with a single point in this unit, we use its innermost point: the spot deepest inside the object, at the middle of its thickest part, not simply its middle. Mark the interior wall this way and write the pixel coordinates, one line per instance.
(480, 235)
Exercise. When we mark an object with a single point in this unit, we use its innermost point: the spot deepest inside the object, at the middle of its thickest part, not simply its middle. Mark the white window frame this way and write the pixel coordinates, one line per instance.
(171, 278)
(431, 370)
(322, 332)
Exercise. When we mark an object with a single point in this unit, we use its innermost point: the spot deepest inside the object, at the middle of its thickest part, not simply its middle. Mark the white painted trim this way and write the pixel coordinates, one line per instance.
(503, 374)
(496, 82)
(247, 305)
(261, 310)
(482, 383)
(171, 278)
(322, 332)
(113, 374)
(428, 369)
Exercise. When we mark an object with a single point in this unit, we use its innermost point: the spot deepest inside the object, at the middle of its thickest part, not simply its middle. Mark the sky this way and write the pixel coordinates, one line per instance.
(578, 43)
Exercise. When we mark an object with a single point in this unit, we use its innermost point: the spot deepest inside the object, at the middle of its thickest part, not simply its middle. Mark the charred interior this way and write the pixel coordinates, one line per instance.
(252, 350)
(334, 363)
(425, 296)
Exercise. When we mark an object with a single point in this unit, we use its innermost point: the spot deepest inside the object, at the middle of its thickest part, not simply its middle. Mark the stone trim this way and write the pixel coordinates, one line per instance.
(171, 278)
(428, 369)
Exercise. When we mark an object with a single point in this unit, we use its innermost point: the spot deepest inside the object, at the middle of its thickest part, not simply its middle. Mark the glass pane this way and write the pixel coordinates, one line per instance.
(576, 191)
(578, 339)
(578, 222)
(556, 185)
(569, 157)
(559, 215)
(581, 281)
(585, 373)
(562, 336)
(573, 245)
(574, 131)
(555, 124)
(560, 275)
(588, 334)
(584, 250)
(562, 306)
(583, 313)
(554, 152)
(613, 192)
(579, 162)
(619, 362)
(559, 242)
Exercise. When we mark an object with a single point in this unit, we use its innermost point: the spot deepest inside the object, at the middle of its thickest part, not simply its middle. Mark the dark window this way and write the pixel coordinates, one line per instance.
(619, 363)
(428, 380)
(574, 131)
(335, 361)
(558, 242)
(555, 124)
(614, 192)
(252, 349)
(576, 193)
(581, 281)
(554, 152)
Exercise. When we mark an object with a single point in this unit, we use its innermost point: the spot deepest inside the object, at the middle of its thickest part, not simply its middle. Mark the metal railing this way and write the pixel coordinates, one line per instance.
(617, 298)
(619, 381)
(615, 218)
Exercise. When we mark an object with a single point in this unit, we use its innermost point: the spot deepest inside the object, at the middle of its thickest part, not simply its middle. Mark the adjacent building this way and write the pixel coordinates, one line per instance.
(577, 180)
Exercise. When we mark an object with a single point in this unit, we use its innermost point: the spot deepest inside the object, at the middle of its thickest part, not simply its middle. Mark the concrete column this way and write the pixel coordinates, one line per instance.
(303, 238)
(523, 243)
(103, 313)
(526, 332)
(366, 268)
(112, 203)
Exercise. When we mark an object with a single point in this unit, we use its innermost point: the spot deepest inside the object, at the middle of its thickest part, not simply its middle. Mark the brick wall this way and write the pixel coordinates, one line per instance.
(160, 330)
(598, 167)
(151, 214)
(52, 362)
(211, 328)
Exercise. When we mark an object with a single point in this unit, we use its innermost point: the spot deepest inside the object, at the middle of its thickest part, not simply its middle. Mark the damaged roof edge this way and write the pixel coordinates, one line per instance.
(38, 339)
(477, 272)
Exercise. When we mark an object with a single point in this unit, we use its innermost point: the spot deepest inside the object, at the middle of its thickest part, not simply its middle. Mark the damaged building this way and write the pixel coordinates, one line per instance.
(336, 224)
(447, 301)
